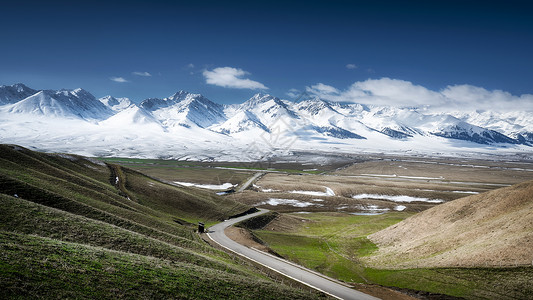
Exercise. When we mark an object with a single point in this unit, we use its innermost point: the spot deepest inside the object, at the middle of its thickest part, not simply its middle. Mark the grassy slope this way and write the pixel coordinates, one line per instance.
(68, 228)
(37, 267)
(494, 228)
(337, 245)
(331, 243)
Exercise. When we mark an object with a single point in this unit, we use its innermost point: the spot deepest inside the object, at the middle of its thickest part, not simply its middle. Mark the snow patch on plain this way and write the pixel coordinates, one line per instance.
(400, 208)
(223, 186)
(264, 190)
(329, 192)
(406, 177)
(398, 198)
(292, 202)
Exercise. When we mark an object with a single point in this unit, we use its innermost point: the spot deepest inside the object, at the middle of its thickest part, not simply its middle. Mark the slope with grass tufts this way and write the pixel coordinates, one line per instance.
(490, 229)
(73, 227)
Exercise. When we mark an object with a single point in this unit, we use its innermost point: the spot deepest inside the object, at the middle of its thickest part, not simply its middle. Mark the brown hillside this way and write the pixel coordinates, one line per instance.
(494, 228)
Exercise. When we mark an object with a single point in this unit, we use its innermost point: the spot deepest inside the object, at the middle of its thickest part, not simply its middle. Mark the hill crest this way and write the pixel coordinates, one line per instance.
(490, 229)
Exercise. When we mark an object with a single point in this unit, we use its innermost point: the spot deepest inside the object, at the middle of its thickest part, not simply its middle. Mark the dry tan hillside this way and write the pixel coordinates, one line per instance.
(494, 228)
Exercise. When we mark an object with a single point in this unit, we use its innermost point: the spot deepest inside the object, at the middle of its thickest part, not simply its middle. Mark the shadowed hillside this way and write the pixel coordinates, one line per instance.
(78, 228)
(490, 229)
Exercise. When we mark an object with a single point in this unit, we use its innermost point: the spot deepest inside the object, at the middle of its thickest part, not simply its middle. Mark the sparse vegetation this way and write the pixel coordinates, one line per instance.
(36, 267)
(331, 243)
(337, 245)
(72, 227)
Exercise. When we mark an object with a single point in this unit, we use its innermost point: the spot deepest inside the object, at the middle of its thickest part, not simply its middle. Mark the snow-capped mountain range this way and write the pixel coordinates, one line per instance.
(190, 126)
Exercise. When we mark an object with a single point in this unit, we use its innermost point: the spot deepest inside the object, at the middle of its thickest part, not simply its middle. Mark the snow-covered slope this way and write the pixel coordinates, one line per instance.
(116, 104)
(515, 124)
(76, 103)
(190, 126)
(185, 109)
(241, 121)
(133, 116)
(14, 93)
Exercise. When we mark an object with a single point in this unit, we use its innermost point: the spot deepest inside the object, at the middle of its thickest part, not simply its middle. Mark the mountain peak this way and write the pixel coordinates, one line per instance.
(262, 97)
(179, 95)
(116, 104)
(63, 103)
(10, 94)
(259, 99)
(20, 87)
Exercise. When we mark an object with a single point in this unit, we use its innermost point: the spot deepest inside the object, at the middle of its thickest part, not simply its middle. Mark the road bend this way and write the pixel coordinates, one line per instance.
(250, 181)
(310, 278)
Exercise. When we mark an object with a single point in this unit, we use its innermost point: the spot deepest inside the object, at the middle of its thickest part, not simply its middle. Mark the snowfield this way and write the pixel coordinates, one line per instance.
(187, 126)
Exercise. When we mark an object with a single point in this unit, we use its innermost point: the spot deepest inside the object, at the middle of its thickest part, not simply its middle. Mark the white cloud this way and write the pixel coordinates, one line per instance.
(231, 78)
(351, 66)
(322, 89)
(145, 74)
(118, 79)
(190, 66)
(468, 95)
(294, 93)
(386, 91)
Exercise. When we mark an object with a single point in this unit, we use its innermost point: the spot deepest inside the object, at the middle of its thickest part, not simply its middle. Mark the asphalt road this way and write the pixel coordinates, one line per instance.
(247, 183)
(289, 269)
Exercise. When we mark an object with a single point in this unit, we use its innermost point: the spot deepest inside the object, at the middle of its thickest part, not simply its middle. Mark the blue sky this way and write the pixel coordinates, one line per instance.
(230, 51)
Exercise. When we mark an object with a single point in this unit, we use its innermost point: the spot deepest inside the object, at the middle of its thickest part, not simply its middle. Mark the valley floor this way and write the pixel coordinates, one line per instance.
(327, 213)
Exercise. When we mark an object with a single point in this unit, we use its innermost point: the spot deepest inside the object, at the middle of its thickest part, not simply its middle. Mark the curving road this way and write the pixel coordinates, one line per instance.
(289, 269)
(250, 181)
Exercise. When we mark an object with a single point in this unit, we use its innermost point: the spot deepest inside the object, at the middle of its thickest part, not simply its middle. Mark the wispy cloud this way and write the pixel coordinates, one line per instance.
(118, 79)
(231, 78)
(351, 66)
(322, 89)
(395, 92)
(294, 93)
(145, 74)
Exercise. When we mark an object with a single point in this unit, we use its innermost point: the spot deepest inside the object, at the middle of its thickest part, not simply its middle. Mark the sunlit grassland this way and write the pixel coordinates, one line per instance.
(336, 245)
(38, 267)
(331, 243)
(72, 227)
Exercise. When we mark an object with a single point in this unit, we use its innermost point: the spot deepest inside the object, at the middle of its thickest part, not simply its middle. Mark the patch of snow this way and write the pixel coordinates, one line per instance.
(466, 192)
(327, 193)
(407, 177)
(443, 191)
(264, 190)
(370, 210)
(398, 198)
(400, 208)
(292, 202)
(223, 186)
(223, 193)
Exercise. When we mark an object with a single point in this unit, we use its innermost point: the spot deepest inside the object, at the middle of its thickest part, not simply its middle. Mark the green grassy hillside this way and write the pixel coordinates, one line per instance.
(79, 228)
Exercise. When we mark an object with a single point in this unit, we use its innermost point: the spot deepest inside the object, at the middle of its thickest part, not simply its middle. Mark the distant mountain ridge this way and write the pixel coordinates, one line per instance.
(14, 93)
(76, 103)
(322, 124)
